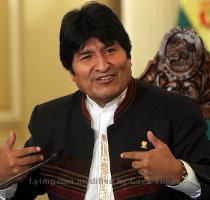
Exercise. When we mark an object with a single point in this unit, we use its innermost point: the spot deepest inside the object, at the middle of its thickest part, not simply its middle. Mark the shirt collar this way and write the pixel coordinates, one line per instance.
(125, 104)
(110, 105)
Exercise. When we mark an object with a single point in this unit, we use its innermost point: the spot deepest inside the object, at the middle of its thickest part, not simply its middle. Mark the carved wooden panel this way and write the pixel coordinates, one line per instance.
(182, 65)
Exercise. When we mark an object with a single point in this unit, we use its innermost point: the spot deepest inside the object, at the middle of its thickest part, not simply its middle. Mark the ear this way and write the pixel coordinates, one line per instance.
(130, 63)
(72, 77)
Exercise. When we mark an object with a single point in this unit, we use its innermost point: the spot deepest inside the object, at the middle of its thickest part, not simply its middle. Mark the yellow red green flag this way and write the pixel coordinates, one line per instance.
(196, 13)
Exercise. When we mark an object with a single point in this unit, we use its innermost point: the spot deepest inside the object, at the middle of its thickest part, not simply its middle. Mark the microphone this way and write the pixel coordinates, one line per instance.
(39, 165)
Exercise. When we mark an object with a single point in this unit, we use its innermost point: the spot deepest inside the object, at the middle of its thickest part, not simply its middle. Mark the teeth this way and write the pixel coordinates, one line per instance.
(105, 78)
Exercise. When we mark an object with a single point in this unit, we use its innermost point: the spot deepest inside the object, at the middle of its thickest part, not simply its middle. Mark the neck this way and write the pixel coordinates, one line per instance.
(102, 102)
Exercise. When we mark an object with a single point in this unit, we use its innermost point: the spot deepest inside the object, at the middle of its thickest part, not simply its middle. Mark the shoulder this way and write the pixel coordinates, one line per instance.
(59, 106)
(160, 99)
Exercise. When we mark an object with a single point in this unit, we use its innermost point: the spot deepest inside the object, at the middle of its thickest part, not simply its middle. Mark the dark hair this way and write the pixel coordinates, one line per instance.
(92, 20)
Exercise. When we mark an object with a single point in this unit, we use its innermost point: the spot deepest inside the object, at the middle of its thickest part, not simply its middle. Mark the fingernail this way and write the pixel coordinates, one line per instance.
(121, 155)
(38, 148)
(149, 132)
(11, 133)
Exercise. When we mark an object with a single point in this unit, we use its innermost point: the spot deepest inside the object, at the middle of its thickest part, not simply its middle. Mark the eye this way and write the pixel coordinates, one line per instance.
(86, 57)
(110, 50)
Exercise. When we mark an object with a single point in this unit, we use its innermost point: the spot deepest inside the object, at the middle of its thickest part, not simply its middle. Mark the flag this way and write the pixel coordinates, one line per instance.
(196, 13)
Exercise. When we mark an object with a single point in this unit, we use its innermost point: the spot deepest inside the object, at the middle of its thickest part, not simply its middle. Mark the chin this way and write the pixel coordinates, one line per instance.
(109, 96)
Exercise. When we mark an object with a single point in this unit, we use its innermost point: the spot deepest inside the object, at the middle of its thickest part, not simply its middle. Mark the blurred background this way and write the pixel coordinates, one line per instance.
(30, 69)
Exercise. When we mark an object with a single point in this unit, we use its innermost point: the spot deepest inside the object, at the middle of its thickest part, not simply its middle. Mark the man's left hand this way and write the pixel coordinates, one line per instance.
(158, 164)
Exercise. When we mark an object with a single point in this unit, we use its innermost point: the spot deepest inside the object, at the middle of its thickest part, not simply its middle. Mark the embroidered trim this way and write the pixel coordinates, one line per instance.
(65, 193)
(104, 169)
(53, 168)
(137, 190)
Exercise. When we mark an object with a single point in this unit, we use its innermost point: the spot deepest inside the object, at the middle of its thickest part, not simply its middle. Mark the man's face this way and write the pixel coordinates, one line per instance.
(102, 72)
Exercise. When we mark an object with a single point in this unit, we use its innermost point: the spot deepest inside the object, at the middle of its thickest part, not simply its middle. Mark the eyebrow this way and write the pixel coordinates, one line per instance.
(84, 52)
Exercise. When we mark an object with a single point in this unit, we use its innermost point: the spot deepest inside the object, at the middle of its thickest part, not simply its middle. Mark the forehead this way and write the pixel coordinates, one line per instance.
(96, 42)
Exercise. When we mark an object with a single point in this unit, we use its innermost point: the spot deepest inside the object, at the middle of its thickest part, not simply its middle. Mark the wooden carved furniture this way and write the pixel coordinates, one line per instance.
(182, 65)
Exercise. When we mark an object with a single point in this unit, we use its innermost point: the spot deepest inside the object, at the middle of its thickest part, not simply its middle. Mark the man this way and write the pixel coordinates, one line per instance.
(121, 139)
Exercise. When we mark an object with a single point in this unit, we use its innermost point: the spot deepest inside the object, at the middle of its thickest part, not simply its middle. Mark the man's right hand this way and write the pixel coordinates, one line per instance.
(15, 161)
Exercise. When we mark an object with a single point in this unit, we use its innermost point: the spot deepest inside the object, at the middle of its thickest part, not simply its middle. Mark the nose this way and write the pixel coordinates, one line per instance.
(102, 63)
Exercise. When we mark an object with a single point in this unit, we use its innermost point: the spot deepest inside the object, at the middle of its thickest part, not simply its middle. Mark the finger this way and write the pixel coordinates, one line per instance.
(18, 153)
(141, 171)
(29, 160)
(153, 139)
(137, 165)
(11, 140)
(133, 155)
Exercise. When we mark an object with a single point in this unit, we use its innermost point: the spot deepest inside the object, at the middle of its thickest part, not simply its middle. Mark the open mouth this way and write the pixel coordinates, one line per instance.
(105, 79)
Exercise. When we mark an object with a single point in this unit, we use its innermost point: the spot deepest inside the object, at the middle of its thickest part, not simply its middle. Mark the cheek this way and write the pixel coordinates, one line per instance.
(125, 64)
(82, 78)
(82, 72)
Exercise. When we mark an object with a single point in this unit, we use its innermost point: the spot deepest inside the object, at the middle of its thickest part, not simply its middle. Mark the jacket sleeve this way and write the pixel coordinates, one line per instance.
(32, 185)
(191, 144)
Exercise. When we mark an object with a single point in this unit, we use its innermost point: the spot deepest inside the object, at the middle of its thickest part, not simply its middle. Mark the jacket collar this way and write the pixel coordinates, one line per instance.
(124, 105)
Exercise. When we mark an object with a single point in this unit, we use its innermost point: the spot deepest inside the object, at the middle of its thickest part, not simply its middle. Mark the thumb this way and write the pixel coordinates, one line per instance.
(155, 141)
(11, 140)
